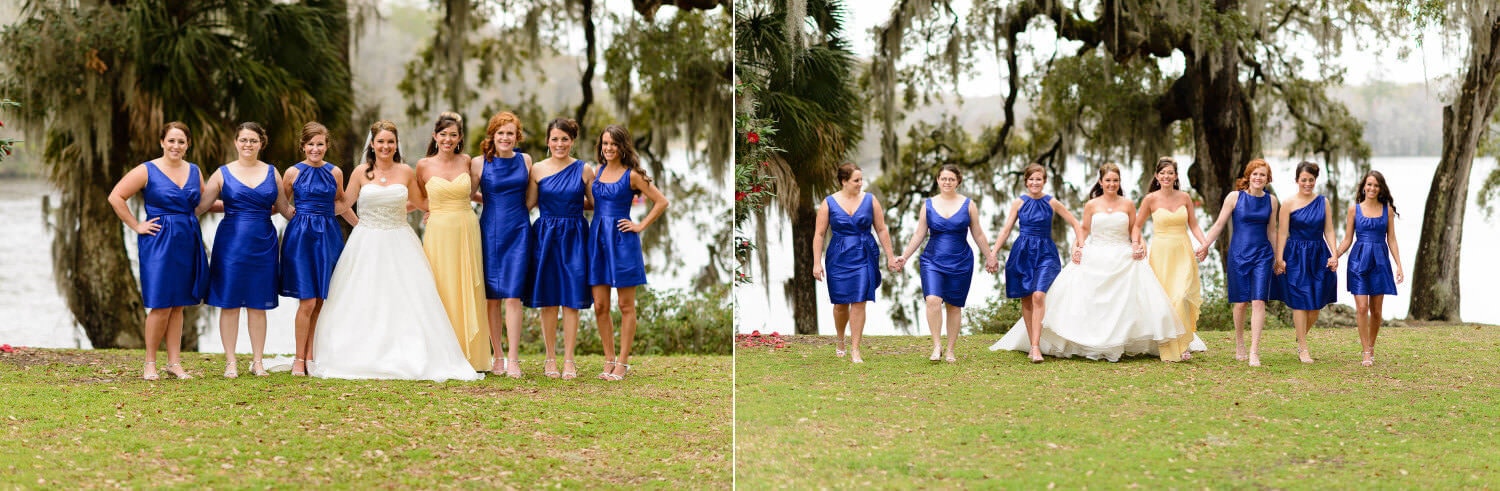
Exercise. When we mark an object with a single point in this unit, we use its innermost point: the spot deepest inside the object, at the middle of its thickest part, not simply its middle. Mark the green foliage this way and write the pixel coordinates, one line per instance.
(7, 144)
(753, 185)
(996, 316)
(668, 322)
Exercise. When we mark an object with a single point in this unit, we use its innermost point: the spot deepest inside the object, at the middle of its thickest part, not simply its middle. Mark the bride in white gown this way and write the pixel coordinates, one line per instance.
(383, 318)
(1108, 303)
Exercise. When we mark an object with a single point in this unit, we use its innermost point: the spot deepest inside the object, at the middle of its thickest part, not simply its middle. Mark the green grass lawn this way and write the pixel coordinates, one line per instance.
(85, 419)
(1425, 416)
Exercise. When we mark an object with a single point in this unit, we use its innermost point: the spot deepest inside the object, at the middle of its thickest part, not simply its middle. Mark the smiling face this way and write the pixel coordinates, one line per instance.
(609, 148)
(855, 182)
(315, 148)
(947, 181)
(504, 138)
(559, 143)
(1371, 188)
(1035, 181)
(447, 139)
(1258, 178)
(384, 144)
(248, 144)
(1110, 183)
(1167, 176)
(1306, 181)
(175, 144)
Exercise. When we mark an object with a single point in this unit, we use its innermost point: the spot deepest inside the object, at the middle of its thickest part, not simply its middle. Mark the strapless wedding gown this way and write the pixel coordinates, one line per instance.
(383, 318)
(1106, 306)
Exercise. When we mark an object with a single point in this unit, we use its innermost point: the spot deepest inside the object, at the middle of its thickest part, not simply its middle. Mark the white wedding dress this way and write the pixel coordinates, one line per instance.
(383, 318)
(1107, 306)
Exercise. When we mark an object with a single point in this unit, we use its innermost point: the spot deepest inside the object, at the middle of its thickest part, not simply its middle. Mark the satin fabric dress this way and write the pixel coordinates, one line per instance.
(383, 318)
(1176, 268)
(1033, 262)
(1107, 306)
(451, 243)
(559, 275)
(505, 227)
(947, 262)
(1370, 256)
(242, 271)
(312, 241)
(852, 261)
(1307, 283)
(174, 266)
(1250, 268)
(615, 257)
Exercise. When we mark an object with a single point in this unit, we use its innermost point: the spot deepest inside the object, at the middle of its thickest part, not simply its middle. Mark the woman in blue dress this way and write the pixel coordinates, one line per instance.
(1033, 261)
(559, 277)
(1253, 211)
(242, 269)
(1372, 229)
(174, 268)
(312, 241)
(615, 258)
(948, 260)
(505, 235)
(853, 261)
(1304, 252)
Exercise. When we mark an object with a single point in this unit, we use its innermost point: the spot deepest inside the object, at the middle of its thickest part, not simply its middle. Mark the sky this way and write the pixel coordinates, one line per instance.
(1425, 63)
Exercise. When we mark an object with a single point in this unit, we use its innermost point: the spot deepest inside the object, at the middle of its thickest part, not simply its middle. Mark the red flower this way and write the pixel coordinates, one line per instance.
(739, 196)
(755, 333)
(756, 188)
(6, 348)
(752, 137)
(765, 164)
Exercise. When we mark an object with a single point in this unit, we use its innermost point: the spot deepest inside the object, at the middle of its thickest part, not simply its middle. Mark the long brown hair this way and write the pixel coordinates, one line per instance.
(625, 147)
(375, 129)
(1385, 191)
(445, 121)
(1104, 170)
(1163, 163)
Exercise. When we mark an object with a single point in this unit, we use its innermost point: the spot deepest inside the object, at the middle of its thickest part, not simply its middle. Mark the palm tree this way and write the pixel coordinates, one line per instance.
(807, 88)
(105, 76)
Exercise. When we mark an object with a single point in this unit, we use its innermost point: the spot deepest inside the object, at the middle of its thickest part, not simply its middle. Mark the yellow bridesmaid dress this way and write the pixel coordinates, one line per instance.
(452, 246)
(1177, 269)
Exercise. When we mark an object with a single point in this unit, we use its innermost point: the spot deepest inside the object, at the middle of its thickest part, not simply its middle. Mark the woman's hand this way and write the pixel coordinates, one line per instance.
(149, 227)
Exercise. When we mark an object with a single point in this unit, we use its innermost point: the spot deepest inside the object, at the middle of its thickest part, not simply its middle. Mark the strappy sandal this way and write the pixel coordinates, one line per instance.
(568, 374)
(149, 376)
(549, 368)
(179, 373)
(231, 369)
(299, 373)
(497, 366)
(604, 375)
(259, 369)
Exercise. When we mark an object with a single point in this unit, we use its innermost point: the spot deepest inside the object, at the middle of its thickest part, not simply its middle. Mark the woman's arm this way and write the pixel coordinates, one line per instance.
(659, 204)
(818, 229)
(884, 234)
(210, 194)
(133, 182)
(1225, 212)
(976, 229)
(1348, 233)
(917, 235)
(1390, 240)
(1329, 240)
(1278, 239)
(1010, 221)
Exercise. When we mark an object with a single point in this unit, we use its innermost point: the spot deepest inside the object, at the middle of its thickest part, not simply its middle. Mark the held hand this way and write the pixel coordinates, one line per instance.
(1077, 255)
(1333, 264)
(818, 272)
(148, 227)
(992, 265)
(425, 216)
(625, 225)
(1201, 254)
(291, 211)
(1280, 267)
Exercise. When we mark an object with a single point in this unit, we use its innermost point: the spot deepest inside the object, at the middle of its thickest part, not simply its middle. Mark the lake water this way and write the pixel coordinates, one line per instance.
(1408, 177)
(32, 313)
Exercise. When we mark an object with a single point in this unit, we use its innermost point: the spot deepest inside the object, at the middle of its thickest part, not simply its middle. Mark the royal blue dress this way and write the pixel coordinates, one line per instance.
(1308, 284)
(1251, 264)
(174, 267)
(312, 241)
(505, 226)
(559, 276)
(1370, 257)
(615, 257)
(852, 262)
(1033, 262)
(243, 270)
(947, 261)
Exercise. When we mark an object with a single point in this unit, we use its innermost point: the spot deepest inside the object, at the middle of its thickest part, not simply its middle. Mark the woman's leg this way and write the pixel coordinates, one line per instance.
(606, 326)
(935, 325)
(840, 321)
(570, 340)
(1257, 322)
(857, 329)
(156, 329)
(229, 336)
(549, 339)
(1239, 330)
(627, 329)
(955, 317)
(257, 326)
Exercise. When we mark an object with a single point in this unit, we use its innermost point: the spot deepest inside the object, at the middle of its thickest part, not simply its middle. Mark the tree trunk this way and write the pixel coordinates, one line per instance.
(456, 19)
(1223, 129)
(1435, 286)
(586, 83)
(801, 289)
(93, 271)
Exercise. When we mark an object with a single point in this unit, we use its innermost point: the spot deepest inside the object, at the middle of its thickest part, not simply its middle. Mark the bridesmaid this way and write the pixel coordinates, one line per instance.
(451, 240)
(242, 272)
(312, 241)
(615, 259)
(1249, 274)
(948, 260)
(1304, 255)
(1033, 262)
(1171, 254)
(505, 226)
(853, 261)
(174, 268)
(559, 275)
(1370, 259)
